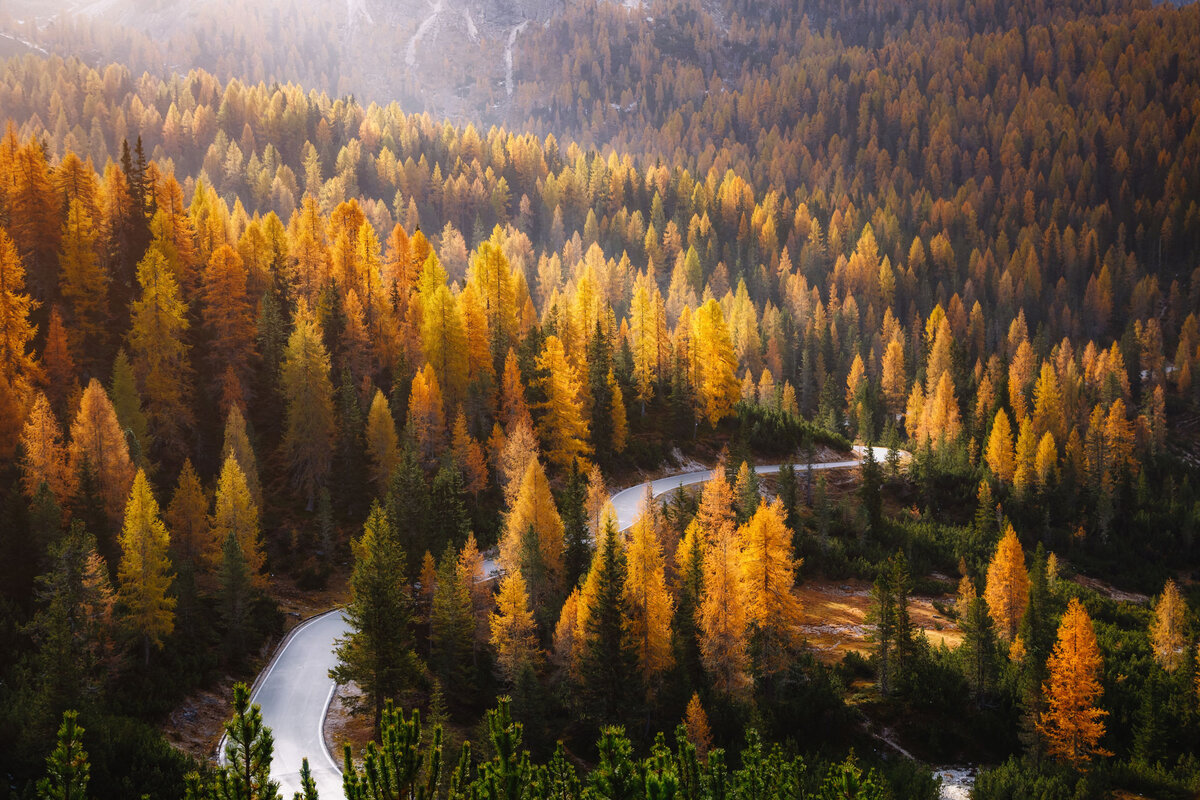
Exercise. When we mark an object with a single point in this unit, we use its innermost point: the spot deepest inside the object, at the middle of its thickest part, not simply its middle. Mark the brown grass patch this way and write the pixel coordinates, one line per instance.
(834, 618)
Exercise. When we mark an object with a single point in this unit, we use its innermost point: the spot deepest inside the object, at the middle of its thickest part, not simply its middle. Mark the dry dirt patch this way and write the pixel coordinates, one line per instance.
(834, 618)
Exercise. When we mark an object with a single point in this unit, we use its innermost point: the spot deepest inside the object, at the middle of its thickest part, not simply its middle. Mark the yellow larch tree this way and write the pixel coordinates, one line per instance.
(187, 520)
(58, 365)
(941, 420)
(648, 324)
(18, 367)
(715, 363)
(44, 454)
(534, 509)
(98, 444)
(563, 427)
(894, 379)
(513, 407)
(444, 338)
(1020, 375)
(768, 573)
(1048, 404)
(158, 351)
(513, 633)
(723, 646)
(309, 426)
(234, 512)
(1007, 591)
(468, 456)
(1046, 461)
(618, 419)
(144, 576)
(715, 515)
(426, 424)
(1025, 456)
(648, 601)
(237, 442)
(999, 453)
(491, 277)
(1167, 634)
(479, 588)
(383, 446)
(696, 723)
(1072, 724)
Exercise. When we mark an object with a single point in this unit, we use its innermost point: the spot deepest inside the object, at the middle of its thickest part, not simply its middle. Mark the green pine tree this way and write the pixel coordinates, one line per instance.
(452, 627)
(234, 579)
(67, 769)
(608, 664)
(377, 653)
(578, 549)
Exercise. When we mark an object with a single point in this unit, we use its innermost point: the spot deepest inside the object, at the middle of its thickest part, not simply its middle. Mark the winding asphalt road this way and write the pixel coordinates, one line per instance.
(295, 690)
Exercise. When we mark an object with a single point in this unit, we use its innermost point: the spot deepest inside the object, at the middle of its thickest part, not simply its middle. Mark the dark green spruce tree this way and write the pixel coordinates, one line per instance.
(451, 629)
(377, 653)
(607, 668)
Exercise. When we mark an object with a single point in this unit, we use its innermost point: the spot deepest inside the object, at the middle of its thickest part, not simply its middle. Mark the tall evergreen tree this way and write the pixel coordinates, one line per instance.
(578, 548)
(608, 656)
(377, 653)
(452, 628)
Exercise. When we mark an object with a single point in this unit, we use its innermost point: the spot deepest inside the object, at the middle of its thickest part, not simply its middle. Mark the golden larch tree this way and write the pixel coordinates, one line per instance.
(768, 573)
(723, 645)
(426, 415)
(468, 456)
(98, 442)
(309, 427)
(491, 277)
(144, 575)
(715, 362)
(158, 351)
(894, 379)
(1046, 461)
(513, 406)
(1007, 591)
(234, 512)
(58, 364)
(1167, 634)
(18, 367)
(444, 338)
(513, 633)
(1025, 457)
(237, 442)
(44, 454)
(383, 446)
(187, 520)
(648, 600)
(534, 509)
(1072, 724)
(563, 427)
(999, 453)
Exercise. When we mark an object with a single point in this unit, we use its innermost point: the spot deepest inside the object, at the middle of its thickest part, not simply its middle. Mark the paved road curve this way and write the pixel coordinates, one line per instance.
(294, 694)
(295, 690)
(628, 503)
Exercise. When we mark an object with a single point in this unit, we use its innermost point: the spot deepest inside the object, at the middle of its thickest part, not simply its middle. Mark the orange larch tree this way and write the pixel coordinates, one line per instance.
(1007, 591)
(1072, 724)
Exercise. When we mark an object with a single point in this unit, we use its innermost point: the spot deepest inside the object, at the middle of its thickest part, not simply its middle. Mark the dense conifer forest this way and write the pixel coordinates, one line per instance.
(268, 349)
